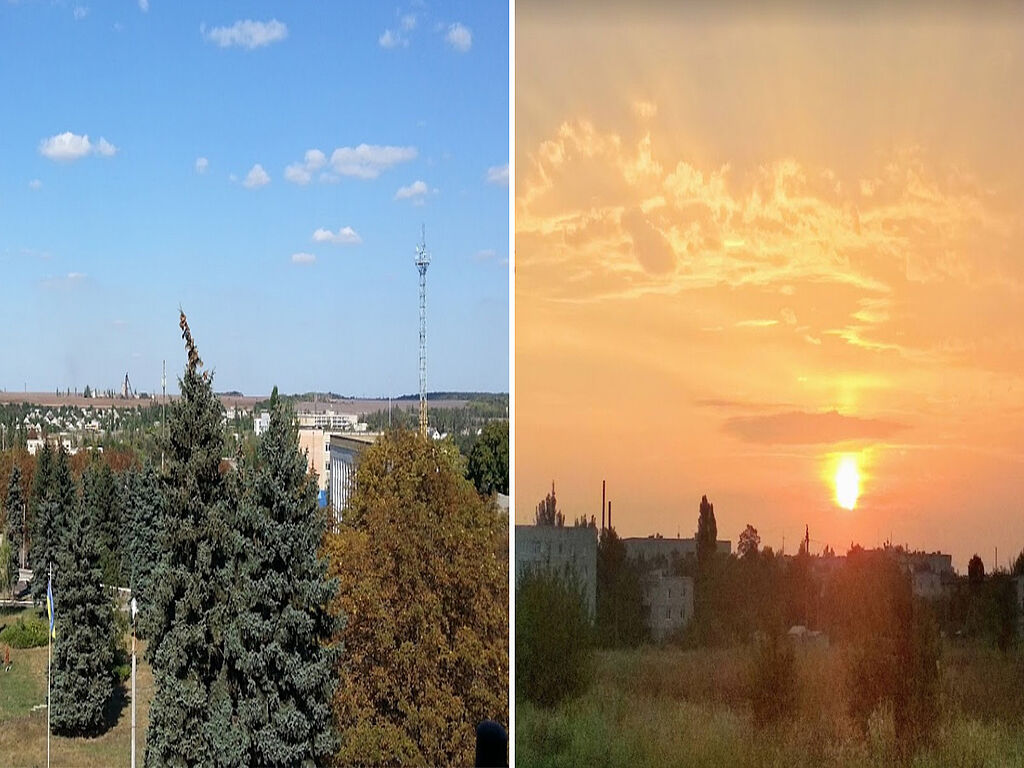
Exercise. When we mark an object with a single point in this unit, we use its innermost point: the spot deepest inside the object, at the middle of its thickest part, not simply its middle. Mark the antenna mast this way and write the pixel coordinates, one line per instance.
(422, 262)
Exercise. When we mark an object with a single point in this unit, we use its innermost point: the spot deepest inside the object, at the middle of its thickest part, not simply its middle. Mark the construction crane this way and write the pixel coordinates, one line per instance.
(422, 262)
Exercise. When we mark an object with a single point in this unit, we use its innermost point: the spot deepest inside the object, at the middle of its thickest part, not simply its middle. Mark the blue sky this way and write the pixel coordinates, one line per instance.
(267, 166)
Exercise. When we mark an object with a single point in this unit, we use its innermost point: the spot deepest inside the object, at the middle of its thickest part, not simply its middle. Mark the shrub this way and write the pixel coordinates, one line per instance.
(30, 632)
(554, 643)
(773, 684)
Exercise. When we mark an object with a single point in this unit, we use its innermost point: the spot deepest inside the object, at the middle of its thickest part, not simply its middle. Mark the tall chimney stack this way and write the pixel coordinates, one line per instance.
(602, 506)
(609, 513)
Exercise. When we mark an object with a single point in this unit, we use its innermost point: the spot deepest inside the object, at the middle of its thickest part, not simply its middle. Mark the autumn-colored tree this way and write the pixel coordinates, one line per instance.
(422, 564)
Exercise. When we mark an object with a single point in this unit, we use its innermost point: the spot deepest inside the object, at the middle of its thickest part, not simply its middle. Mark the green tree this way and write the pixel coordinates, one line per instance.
(83, 657)
(422, 561)
(554, 639)
(707, 531)
(620, 617)
(547, 510)
(189, 721)
(142, 502)
(103, 508)
(488, 461)
(749, 542)
(279, 660)
(8, 567)
(17, 516)
(40, 528)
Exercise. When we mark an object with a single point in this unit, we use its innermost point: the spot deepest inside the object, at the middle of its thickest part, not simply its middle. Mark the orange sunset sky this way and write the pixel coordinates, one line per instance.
(749, 243)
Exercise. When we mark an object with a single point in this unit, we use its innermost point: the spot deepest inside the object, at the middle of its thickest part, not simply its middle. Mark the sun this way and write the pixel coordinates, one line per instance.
(847, 482)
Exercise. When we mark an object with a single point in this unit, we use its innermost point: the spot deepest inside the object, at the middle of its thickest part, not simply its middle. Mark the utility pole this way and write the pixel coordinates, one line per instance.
(422, 262)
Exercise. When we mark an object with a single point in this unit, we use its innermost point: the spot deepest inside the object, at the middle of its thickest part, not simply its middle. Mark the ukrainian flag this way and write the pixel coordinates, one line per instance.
(49, 606)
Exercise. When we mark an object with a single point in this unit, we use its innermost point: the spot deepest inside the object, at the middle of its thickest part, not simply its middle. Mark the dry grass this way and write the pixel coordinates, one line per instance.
(667, 707)
(23, 731)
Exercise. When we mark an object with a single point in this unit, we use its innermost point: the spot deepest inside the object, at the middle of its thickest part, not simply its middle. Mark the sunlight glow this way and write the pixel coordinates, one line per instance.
(847, 483)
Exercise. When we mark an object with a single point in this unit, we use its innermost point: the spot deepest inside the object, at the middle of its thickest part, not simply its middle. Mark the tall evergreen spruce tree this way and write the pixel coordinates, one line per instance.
(83, 651)
(186, 722)
(280, 665)
(103, 508)
(16, 516)
(142, 505)
(40, 553)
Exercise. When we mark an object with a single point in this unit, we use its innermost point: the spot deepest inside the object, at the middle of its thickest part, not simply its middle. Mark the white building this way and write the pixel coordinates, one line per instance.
(669, 603)
(560, 550)
(261, 423)
(343, 457)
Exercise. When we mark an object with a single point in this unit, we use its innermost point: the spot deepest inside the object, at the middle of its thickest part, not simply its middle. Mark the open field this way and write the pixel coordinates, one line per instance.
(668, 707)
(23, 721)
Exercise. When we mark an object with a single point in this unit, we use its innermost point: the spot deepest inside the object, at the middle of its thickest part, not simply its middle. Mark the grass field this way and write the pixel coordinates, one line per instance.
(668, 707)
(23, 722)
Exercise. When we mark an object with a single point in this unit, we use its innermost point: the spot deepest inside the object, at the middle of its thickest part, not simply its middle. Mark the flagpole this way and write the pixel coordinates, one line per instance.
(49, 643)
(134, 611)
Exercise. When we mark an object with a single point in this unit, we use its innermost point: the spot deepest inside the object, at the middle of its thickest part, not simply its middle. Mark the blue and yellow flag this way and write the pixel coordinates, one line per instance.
(49, 606)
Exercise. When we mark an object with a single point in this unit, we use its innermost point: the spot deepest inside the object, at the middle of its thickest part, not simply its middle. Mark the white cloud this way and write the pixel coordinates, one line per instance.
(257, 177)
(202, 164)
(105, 148)
(409, 22)
(389, 39)
(80, 12)
(69, 146)
(75, 276)
(485, 255)
(498, 174)
(303, 258)
(416, 190)
(246, 34)
(459, 37)
(368, 160)
(35, 184)
(302, 173)
(344, 236)
(144, 5)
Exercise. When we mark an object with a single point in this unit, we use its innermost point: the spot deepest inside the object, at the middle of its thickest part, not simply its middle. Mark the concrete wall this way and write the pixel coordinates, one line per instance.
(562, 550)
(344, 451)
(669, 603)
(650, 547)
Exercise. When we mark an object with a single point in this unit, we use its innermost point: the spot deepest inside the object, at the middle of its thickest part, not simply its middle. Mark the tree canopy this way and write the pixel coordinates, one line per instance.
(422, 562)
(488, 460)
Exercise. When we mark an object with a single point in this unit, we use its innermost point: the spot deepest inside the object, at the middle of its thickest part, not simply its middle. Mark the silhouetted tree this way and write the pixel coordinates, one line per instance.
(975, 571)
(707, 531)
(620, 613)
(547, 510)
(1018, 565)
(748, 543)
